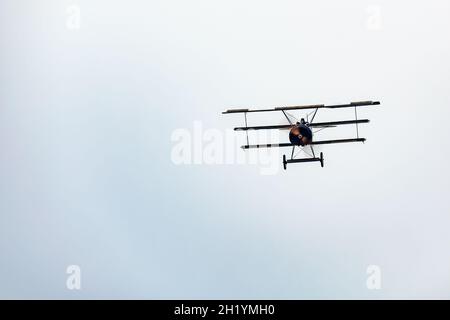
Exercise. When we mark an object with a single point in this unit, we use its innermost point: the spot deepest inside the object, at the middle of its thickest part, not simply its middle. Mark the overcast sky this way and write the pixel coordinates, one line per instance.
(92, 91)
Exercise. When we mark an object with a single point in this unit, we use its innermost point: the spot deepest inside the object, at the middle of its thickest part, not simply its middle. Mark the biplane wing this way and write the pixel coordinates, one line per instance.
(314, 124)
(305, 107)
(305, 124)
(288, 144)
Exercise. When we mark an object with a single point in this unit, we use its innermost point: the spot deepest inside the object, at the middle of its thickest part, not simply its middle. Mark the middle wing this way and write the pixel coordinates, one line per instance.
(314, 124)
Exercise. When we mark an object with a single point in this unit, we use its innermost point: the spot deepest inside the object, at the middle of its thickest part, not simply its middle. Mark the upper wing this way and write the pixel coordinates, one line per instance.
(317, 106)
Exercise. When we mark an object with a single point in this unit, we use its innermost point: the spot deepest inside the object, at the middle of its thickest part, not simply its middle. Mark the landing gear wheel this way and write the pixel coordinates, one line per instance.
(284, 162)
(321, 159)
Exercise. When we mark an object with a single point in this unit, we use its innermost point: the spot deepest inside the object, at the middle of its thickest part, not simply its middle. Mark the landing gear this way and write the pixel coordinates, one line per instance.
(313, 159)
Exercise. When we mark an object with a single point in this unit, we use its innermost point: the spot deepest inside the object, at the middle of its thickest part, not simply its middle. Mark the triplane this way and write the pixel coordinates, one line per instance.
(301, 132)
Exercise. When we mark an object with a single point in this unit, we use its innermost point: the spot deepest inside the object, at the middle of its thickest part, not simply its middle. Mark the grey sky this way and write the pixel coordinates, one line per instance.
(86, 175)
